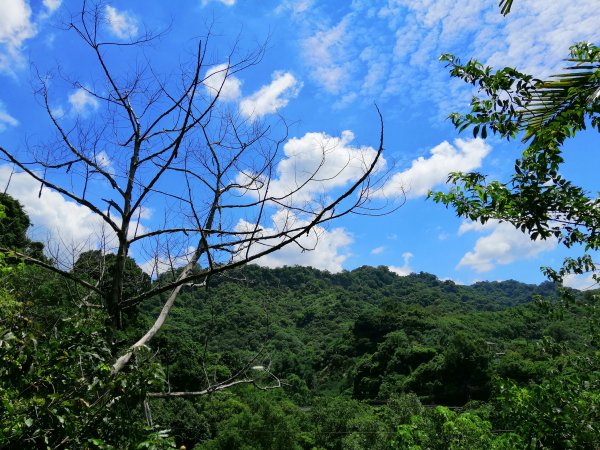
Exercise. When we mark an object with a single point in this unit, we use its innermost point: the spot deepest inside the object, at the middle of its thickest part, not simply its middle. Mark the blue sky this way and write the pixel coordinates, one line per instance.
(326, 63)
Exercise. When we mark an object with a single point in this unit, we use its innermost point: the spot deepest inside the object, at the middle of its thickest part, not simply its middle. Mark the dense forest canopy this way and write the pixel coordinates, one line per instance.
(361, 359)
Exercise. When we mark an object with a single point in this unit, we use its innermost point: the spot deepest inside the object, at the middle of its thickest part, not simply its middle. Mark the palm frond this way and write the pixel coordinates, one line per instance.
(579, 84)
(505, 6)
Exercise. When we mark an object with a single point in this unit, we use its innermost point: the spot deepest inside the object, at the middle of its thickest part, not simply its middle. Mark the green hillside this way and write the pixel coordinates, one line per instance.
(363, 342)
(296, 358)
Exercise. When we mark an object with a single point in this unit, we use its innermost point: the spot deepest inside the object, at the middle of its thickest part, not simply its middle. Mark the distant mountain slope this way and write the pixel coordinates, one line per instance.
(314, 324)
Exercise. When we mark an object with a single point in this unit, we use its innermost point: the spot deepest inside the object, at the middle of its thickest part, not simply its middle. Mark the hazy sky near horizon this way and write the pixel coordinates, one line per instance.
(326, 64)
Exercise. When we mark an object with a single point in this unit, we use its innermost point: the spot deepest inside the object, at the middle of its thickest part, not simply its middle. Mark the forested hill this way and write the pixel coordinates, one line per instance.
(299, 318)
(363, 359)
(378, 284)
(349, 345)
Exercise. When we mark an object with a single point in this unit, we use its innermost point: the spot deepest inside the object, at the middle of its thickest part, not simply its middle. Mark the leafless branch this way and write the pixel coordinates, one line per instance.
(170, 143)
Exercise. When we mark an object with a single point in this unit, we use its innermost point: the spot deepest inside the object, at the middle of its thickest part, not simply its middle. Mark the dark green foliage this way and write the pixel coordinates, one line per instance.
(185, 418)
(563, 411)
(537, 198)
(505, 6)
(56, 390)
(349, 424)
(351, 348)
(263, 422)
(550, 393)
(316, 330)
(357, 360)
(13, 229)
(56, 386)
(458, 374)
(443, 429)
(98, 268)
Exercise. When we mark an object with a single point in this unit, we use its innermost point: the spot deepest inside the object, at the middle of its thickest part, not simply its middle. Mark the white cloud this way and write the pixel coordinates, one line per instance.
(52, 5)
(405, 269)
(66, 227)
(295, 6)
(378, 250)
(425, 173)
(225, 2)
(328, 56)
(455, 281)
(58, 112)
(580, 282)
(503, 245)
(320, 248)
(270, 98)
(121, 24)
(6, 119)
(16, 26)
(389, 50)
(217, 80)
(470, 226)
(144, 212)
(82, 102)
(54, 218)
(164, 263)
(537, 35)
(104, 161)
(328, 162)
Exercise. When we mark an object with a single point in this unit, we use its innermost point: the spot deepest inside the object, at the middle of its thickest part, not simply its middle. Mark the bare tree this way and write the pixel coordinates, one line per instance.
(164, 140)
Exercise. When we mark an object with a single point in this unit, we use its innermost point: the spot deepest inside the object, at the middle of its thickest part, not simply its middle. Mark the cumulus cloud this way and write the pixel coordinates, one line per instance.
(16, 26)
(54, 218)
(315, 164)
(272, 97)
(320, 248)
(6, 119)
(581, 282)
(82, 102)
(121, 24)
(425, 173)
(217, 80)
(164, 262)
(66, 227)
(405, 269)
(503, 244)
